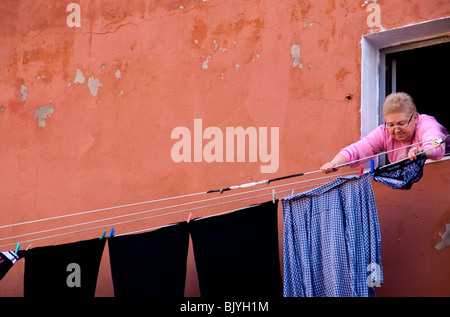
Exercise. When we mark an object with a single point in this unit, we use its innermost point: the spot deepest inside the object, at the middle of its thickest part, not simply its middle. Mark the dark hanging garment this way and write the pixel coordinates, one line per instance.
(66, 270)
(401, 175)
(236, 254)
(151, 264)
(7, 260)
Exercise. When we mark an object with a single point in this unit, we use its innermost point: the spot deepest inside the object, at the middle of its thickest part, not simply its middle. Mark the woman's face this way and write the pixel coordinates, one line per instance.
(401, 125)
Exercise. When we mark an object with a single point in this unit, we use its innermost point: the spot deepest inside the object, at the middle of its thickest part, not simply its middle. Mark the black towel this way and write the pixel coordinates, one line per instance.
(66, 270)
(151, 264)
(7, 260)
(401, 175)
(236, 254)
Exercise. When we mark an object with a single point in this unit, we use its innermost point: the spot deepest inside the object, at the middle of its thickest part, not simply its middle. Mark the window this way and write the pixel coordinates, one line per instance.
(423, 71)
(401, 60)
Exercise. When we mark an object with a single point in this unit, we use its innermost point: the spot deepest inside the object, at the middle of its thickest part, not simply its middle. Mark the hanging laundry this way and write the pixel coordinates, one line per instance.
(66, 270)
(7, 260)
(151, 264)
(401, 175)
(332, 240)
(236, 254)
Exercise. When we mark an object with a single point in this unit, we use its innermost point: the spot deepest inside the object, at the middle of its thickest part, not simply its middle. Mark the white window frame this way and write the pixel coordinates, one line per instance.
(374, 47)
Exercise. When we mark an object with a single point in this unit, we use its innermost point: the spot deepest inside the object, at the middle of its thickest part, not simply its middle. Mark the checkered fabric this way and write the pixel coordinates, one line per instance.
(332, 240)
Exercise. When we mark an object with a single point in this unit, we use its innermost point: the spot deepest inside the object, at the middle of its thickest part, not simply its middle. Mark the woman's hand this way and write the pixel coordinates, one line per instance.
(328, 168)
(333, 166)
(412, 154)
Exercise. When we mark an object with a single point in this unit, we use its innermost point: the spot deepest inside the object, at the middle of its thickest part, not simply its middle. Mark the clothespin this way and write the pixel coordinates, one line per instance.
(189, 217)
(111, 233)
(361, 170)
(18, 247)
(28, 247)
(274, 197)
(372, 165)
(103, 235)
(293, 192)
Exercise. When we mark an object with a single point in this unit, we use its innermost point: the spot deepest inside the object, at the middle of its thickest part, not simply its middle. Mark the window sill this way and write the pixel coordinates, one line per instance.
(445, 158)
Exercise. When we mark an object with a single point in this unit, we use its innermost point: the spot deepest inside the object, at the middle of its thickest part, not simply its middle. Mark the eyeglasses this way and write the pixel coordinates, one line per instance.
(401, 125)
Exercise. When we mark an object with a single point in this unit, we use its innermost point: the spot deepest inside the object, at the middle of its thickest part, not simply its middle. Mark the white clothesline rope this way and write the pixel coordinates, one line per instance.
(157, 216)
(202, 193)
(99, 210)
(436, 142)
(169, 207)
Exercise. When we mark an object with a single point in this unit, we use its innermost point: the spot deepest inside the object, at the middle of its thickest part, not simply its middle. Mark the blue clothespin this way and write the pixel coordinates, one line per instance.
(103, 235)
(111, 233)
(372, 165)
(18, 247)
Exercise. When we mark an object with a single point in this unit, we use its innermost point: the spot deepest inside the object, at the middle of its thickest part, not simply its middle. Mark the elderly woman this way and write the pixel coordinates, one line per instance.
(403, 126)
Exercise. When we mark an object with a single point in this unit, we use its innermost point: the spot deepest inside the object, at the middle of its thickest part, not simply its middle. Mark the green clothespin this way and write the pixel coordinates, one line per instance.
(103, 235)
(18, 247)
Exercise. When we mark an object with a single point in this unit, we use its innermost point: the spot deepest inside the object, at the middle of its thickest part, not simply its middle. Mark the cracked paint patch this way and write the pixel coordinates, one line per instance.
(205, 63)
(79, 77)
(295, 53)
(94, 85)
(23, 93)
(445, 238)
(42, 113)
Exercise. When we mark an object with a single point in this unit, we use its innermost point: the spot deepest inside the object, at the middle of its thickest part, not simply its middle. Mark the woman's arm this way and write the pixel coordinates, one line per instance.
(371, 144)
(428, 128)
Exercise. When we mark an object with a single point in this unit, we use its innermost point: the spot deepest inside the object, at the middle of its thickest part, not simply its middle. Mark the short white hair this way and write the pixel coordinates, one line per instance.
(399, 102)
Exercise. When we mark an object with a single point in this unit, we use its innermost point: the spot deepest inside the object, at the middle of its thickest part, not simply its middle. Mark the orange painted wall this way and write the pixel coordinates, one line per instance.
(152, 66)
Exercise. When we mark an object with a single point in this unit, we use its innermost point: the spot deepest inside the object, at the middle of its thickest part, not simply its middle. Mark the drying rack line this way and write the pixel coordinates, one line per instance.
(152, 217)
(436, 142)
(406, 158)
(167, 207)
(196, 208)
(101, 209)
(142, 203)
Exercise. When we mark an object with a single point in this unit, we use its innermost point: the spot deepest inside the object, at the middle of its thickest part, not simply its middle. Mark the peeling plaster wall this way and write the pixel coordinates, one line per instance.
(89, 102)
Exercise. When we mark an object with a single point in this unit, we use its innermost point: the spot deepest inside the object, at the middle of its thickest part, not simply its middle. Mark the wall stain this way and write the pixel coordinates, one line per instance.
(295, 53)
(445, 238)
(94, 84)
(42, 113)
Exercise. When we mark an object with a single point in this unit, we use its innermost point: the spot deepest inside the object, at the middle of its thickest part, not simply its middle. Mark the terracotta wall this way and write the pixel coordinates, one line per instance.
(98, 98)
(411, 224)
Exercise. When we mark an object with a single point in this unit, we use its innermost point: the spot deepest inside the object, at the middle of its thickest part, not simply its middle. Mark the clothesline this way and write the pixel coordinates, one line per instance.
(163, 208)
(436, 143)
(207, 192)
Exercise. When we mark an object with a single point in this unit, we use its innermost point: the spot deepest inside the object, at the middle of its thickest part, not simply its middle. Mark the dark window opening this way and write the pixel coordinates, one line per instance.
(423, 73)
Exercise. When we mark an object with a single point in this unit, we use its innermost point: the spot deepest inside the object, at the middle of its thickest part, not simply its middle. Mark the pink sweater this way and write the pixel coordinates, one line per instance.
(380, 140)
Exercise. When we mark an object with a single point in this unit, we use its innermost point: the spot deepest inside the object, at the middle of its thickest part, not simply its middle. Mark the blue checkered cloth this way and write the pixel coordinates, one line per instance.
(332, 240)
